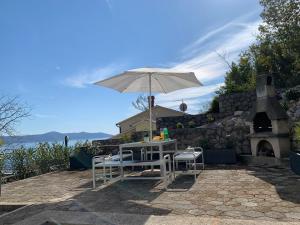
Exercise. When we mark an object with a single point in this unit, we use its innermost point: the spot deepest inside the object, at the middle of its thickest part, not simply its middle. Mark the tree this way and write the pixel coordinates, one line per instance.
(281, 19)
(280, 40)
(240, 77)
(141, 103)
(276, 51)
(12, 111)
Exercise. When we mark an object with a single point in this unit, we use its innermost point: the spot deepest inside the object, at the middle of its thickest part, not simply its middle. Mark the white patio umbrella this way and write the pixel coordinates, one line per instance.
(151, 80)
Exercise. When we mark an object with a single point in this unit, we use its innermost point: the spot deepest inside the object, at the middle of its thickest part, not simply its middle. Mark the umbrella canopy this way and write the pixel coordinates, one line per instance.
(151, 80)
(161, 80)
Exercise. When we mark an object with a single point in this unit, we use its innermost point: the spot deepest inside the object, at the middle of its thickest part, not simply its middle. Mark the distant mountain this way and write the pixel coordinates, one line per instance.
(53, 137)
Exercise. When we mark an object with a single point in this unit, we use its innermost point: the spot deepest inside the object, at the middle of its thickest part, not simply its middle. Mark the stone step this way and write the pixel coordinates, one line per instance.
(100, 218)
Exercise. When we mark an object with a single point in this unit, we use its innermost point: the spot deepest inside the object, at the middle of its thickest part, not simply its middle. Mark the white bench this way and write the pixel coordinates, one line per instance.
(166, 175)
(189, 156)
(108, 161)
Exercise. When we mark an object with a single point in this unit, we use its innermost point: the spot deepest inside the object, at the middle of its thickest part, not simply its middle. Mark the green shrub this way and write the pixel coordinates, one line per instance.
(210, 118)
(284, 105)
(88, 147)
(292, 95)
(214, 106)
(192, 124)
(126, 138)
(31, 166)
(43, 157)
(179, 126)
(40, 159)
(22, 162)
(3, 157)
(60, 156)
(1, 141)
(297, 131)
(204, 143)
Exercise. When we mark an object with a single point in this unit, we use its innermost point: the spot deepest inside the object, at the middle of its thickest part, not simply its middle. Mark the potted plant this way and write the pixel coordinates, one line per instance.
(226, 155)
(81, 158)
(295, 154)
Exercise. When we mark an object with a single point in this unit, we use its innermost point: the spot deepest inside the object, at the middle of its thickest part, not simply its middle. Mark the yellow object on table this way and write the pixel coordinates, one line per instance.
(156, 138)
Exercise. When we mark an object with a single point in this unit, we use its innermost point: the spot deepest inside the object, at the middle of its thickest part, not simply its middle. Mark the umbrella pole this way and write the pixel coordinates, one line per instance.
(150, 109)
(150, 120)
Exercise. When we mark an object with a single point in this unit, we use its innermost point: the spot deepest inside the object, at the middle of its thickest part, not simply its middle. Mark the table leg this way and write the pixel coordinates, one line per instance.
(164, 171)
(151, 157)
(161, 158)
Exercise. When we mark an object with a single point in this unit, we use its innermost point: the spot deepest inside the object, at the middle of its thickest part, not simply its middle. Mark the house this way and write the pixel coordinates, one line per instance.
(140, 121)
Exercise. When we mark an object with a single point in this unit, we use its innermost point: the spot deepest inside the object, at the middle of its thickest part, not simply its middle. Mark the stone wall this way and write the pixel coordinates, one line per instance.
(231, 132)
(228, 133)
(230, 103)
(188, 121)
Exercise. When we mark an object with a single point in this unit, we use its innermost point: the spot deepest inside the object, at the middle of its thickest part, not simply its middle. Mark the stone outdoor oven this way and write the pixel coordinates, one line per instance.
(269, 130)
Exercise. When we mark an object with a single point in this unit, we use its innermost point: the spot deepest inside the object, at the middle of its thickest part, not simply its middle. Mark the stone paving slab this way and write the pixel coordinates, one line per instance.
(88, 218)
(50, 187)
(229, 192)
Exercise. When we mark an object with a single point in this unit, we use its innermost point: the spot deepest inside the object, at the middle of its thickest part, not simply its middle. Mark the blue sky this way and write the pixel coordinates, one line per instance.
(52, 50)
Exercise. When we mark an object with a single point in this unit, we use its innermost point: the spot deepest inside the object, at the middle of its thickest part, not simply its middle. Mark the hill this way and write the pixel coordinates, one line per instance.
(53, 137)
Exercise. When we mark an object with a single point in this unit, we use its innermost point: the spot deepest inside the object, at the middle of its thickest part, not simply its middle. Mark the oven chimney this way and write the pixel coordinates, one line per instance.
(151, 101)
(265, 86)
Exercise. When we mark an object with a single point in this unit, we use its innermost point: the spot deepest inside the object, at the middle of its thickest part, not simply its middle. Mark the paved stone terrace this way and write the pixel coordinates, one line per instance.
(229, 192)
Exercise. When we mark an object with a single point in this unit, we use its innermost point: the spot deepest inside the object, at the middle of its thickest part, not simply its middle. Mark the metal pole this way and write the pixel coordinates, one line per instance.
(150, 110)
(150, 119)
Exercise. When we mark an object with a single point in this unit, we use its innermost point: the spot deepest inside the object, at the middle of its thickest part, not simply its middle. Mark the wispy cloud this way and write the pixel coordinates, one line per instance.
(42, 116)
(109, 4)
(82, 79)
(193, 97)
(187, 94)
(206, 63)
(228, 29)
(202, 57)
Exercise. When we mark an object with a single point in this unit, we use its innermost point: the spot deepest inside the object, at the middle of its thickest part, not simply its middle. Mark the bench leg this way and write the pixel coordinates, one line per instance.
(104, 174)
(174, 169)
(110, 172)
(94, 176)
(195, 169)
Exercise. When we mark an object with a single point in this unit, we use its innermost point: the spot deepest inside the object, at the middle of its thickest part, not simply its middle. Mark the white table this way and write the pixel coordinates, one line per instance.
(161, 162)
